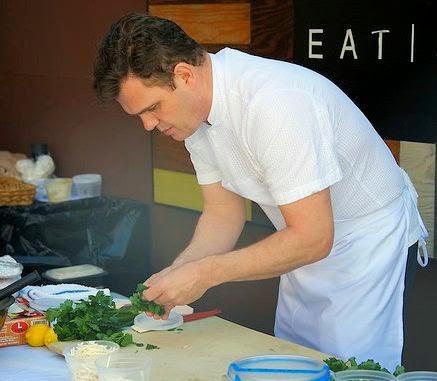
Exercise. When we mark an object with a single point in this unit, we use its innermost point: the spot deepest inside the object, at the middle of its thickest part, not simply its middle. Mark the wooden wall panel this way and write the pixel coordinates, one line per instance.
(174, 2)
(272, 29)
(227, 23)
(395, 147)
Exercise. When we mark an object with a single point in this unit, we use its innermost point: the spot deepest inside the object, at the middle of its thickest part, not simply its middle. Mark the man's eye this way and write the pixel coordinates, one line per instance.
(153, 108)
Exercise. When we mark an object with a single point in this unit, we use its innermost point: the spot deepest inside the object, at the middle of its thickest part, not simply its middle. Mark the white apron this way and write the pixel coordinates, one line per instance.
(350, 303)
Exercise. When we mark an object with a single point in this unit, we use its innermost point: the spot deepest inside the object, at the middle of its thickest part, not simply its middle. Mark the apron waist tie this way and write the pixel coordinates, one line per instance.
(423, 261)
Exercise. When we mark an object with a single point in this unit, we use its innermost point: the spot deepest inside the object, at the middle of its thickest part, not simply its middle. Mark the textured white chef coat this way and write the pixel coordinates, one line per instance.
(277, 133)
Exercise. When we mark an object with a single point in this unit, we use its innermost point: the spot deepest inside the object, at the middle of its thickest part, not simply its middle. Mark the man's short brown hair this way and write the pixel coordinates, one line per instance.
(145, 46)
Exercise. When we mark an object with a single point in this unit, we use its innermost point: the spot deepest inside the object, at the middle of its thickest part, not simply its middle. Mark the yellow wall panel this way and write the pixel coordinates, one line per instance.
(182, 190)
(177, 189)
(418, 159)
(225, 23)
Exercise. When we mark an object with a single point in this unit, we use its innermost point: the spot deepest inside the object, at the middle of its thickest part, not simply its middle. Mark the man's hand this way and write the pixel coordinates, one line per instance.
(177, 285)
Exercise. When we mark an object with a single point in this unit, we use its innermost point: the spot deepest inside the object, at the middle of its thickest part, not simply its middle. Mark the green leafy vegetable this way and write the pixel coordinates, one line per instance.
(399, 370)
(337, 365)
(97, 318)
(143, 305)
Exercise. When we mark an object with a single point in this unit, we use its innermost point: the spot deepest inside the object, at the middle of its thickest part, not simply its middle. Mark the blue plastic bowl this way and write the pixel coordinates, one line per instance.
(278, 367)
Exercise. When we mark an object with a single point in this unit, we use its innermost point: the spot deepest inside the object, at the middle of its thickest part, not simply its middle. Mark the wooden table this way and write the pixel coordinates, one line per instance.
(204, 349)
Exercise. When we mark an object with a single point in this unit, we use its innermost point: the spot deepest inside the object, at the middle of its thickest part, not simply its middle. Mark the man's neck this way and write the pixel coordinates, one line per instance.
(207, 87)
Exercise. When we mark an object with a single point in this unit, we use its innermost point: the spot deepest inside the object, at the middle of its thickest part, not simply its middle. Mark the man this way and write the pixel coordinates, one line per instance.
(290, 140)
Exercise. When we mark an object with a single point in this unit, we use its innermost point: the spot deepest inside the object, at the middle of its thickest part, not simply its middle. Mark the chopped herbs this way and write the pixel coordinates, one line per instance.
(151, 346)
(337, 365)
(98, 319)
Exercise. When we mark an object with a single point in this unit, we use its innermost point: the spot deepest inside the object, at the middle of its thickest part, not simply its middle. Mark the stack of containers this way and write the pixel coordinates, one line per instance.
(297, 368)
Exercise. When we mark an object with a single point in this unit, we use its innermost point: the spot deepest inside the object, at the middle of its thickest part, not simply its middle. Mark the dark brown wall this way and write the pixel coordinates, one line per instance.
(47, 52)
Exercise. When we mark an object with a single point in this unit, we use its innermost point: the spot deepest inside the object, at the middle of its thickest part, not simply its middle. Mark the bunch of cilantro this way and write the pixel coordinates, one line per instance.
(97, 318)
(337, 365)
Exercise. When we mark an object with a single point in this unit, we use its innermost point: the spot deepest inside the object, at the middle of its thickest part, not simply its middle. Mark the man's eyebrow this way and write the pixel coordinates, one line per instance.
(148, 108)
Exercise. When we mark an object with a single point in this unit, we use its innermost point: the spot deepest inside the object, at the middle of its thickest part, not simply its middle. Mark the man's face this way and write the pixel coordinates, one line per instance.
(174, 112)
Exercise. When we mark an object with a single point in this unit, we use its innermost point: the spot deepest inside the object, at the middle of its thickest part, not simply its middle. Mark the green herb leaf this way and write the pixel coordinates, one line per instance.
(337, 365)
(140, 305)
(399, 370)
(98, 318)
(151, 346)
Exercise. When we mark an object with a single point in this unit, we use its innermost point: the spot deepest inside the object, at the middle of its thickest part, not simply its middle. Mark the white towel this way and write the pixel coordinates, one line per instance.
(43, 297)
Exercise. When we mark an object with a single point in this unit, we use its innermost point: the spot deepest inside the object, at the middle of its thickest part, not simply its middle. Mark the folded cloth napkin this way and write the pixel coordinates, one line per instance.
(43, 297)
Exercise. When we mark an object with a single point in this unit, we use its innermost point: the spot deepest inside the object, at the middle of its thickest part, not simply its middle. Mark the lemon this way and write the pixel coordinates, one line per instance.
(50, 337)
(35, 334)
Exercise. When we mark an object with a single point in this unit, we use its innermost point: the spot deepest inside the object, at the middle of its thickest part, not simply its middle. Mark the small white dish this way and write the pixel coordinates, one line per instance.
(144, 323)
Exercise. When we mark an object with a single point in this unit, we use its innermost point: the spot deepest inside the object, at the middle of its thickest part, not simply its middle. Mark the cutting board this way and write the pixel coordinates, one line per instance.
(203, 350)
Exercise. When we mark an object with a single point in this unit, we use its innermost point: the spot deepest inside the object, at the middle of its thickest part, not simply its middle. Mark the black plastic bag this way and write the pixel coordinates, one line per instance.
(109, 232)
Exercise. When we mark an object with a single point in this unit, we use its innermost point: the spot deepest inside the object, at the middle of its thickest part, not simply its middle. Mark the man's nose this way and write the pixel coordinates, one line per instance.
(149, 123)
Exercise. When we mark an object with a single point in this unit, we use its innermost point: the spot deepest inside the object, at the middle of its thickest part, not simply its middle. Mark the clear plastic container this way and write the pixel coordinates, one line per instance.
(363, 375)
(82, 364)
(120, 366)
(87, 185)
(278, 367)
(418, 376)
(59, 189)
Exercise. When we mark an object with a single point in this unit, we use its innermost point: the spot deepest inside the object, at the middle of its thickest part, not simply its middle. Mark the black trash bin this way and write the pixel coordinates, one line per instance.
(110, 232)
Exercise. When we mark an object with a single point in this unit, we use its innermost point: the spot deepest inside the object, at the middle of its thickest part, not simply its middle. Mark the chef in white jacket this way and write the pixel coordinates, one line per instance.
(288, 139)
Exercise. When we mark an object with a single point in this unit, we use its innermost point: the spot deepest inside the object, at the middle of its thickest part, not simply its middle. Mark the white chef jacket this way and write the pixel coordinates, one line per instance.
(277, 133)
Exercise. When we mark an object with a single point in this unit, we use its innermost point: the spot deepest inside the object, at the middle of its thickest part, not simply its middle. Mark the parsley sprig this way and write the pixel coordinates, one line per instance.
(337, 365)
(97, 318)
(140, 304)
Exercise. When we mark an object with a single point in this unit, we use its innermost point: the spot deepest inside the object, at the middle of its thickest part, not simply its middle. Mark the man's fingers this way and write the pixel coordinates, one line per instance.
(152, 279)
(152, 293)
(167, 309)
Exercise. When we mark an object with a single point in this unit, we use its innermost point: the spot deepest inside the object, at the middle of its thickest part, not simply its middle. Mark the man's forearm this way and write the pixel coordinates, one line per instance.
(275, 255)
(216, 232)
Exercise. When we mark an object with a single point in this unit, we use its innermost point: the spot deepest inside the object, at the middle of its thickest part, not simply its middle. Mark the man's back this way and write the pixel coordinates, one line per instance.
(287, 94)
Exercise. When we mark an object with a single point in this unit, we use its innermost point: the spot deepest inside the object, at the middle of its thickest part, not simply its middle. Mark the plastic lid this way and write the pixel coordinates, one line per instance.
(418, 376)
(143, 323)
(87, 178)
(284, 366)
(70, 272)
(363, 375)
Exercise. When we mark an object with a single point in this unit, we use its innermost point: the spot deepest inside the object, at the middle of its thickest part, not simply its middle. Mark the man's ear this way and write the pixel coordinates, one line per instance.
(184, 72)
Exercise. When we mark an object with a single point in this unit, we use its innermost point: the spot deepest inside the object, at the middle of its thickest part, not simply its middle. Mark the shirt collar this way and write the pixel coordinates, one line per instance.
(217, 112)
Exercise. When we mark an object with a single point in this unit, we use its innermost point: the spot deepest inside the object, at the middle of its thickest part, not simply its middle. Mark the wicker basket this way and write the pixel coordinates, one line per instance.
(15, 192)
